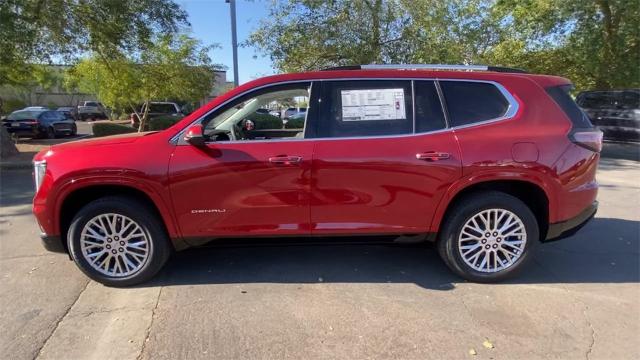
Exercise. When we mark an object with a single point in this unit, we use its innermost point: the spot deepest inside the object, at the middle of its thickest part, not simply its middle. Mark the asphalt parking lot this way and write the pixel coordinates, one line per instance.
(579, 298)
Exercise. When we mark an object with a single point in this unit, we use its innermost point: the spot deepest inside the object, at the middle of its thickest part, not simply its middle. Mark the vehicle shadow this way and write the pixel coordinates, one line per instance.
(605, 251)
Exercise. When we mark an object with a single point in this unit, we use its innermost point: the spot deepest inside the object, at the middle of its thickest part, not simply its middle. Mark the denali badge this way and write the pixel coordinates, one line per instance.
(207, 211)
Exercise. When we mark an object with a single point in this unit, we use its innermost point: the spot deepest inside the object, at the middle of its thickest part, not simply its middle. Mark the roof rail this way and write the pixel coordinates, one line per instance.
(427, 67)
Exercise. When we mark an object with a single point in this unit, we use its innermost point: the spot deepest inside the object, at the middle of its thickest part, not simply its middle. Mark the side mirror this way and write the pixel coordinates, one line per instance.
(195, 135)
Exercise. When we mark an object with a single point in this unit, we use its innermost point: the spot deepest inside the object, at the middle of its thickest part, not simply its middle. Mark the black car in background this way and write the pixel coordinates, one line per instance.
(615, 112)
(39, 123)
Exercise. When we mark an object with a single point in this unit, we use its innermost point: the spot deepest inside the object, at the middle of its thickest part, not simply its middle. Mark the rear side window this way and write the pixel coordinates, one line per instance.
(471, 102)
(366, 108)
(429, 115)
(560, 94)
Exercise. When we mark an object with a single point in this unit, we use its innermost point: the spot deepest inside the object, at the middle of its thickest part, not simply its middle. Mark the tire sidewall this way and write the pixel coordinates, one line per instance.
(157, 243)
(472, 208)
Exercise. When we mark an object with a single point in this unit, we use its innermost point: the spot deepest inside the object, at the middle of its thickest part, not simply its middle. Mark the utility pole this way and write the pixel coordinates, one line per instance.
(234, 40)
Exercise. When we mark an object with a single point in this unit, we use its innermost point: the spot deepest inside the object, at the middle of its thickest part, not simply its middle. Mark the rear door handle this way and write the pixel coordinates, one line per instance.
(432, 156)
(286, 160)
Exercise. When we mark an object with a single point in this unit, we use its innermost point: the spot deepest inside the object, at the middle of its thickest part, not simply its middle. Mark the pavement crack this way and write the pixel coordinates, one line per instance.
(593, 332)
(148, 331)
(60, 320)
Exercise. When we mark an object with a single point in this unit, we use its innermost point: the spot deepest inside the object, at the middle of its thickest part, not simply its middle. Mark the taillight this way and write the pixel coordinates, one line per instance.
(587, 138)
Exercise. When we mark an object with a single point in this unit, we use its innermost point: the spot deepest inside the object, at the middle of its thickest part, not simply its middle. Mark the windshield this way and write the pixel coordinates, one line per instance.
(24, 115)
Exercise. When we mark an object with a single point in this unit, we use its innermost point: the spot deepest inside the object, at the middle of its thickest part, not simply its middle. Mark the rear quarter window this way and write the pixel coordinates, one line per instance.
(472, 102)
(560, 94)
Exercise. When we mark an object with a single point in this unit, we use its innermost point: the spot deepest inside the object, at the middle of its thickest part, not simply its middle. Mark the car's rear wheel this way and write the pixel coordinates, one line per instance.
(118, 242)
(488, 236)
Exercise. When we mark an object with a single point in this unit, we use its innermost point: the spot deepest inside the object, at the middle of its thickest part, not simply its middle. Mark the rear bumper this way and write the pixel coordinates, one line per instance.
(569, 227)
(53, 243)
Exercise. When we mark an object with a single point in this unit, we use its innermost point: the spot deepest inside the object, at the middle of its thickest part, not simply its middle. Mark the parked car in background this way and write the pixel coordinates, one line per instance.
(615, 112)
(157, 109)
(36, 108)
(39, 124)
(293, 111)
(92, 110)
(486, 162)
(69, 111)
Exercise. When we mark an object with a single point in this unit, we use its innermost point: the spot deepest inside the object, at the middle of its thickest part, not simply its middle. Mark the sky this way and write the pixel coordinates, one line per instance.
(211, 23)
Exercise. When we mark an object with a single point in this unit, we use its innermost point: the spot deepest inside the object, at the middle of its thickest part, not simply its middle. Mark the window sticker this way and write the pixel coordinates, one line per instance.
(373, 104)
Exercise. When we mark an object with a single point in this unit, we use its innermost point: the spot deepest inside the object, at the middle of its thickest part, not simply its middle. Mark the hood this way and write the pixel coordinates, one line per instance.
(105, 140)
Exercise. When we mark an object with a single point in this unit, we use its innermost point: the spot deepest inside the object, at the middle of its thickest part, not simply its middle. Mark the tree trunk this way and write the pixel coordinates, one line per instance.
(7, 147)
(144, 118)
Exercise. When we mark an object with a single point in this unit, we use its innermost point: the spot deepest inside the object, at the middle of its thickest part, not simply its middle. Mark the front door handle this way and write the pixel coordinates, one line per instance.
(432, 156)
(286, 160)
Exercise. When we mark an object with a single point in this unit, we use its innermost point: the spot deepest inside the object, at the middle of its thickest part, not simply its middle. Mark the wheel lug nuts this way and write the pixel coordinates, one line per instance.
(108, 246)
(121, 250)
(487, 247)
(484, 241)
(487, 234)
(499, 239)
(495, 233)
(114, 251)
(116, 238)
(495, 246)
(122, 243)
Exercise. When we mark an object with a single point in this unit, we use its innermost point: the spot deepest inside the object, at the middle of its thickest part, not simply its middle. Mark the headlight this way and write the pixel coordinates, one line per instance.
(39, 168)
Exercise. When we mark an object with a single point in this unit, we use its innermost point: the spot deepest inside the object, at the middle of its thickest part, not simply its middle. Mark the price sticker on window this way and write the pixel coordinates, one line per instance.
(373, 104)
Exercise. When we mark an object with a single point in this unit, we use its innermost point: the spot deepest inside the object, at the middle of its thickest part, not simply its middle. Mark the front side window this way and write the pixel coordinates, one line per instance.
(472, 102)
(261, 115)
(365, 108)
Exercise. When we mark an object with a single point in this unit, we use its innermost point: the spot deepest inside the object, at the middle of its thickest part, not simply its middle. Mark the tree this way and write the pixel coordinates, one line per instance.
(594, 43)
(35, 31)
(303, 35)
(172, 67)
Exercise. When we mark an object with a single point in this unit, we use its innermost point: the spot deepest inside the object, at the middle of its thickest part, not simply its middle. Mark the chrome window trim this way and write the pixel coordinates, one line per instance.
(510, 113)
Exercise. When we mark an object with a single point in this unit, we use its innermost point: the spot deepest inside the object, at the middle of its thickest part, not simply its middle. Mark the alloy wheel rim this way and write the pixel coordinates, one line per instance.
(492, 240)
(115, 245)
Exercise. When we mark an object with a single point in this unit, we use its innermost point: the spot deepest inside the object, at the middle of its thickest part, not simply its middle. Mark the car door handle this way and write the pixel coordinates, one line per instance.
(286, 160)
(432, 156)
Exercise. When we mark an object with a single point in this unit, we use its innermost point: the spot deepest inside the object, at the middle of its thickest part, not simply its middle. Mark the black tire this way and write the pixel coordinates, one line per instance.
(463, 211)
(51, 133)
(159, 250)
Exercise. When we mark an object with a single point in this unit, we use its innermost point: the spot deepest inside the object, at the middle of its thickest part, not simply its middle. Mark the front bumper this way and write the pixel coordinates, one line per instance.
(53, 243)
(569, 227)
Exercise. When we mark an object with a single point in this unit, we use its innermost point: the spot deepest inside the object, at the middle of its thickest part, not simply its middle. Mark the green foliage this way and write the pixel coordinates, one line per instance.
(172, 67)
(265, 121)
(162, 122)
(294, 124)
(35, 31)
(11, 105)
(106, 129)
(596, 44)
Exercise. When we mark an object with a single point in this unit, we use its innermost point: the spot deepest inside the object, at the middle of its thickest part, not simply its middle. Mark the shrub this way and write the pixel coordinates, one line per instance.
(163, 122)
(106, 129)
(11, 105)
(265, 121)
(294, 124)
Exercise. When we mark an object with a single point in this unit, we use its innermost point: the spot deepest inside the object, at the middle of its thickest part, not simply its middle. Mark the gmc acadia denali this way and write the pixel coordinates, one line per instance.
(487, 162)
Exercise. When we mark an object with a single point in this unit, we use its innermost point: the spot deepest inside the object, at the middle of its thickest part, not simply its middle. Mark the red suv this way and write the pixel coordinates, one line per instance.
(487, 162)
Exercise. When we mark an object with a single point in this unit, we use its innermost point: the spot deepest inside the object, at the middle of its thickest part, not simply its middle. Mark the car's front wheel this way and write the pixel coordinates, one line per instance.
(118, 242)
(487, 237)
